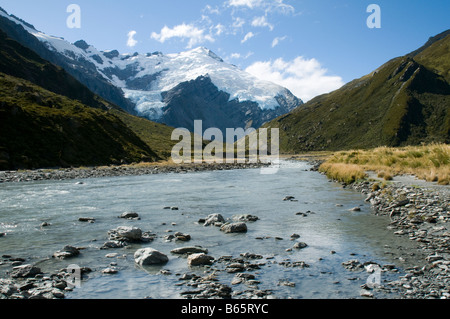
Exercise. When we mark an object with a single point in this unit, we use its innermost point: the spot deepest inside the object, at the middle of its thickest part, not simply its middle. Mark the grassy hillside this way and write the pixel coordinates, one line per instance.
(157, 136)
(19, 61)
(48, 118)
(39, 128)
(434, 54)
(404, 102)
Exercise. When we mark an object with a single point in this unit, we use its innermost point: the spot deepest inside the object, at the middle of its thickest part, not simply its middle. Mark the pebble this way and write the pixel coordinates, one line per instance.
(423, 215)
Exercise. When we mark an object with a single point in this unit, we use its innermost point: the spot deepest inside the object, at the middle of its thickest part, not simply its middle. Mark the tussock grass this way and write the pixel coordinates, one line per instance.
(346, 173)
(427, 162)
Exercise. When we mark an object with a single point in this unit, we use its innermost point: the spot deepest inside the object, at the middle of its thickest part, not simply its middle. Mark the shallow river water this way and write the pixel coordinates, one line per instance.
(333, 233)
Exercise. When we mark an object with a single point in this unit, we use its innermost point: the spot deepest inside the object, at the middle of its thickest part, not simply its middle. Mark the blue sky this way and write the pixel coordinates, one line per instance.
(309, 46)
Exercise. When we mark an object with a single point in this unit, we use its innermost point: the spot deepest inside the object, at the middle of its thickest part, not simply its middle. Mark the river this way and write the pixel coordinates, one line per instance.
(333, 232)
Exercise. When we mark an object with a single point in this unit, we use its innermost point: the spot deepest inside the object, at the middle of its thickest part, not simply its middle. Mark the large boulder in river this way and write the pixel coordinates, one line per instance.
(150, 256)
(239, 227)
(125, 233)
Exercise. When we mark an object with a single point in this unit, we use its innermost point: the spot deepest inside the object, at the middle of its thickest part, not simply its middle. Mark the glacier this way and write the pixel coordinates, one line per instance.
(173, 69)
(144, 77)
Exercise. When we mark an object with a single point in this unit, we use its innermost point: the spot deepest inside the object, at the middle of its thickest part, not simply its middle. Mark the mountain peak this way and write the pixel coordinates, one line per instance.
(142, 79)
(430, 42)
(205, 51)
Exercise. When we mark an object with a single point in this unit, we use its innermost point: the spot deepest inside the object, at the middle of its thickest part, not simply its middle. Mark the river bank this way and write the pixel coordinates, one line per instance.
(114, 171)
(420, 210)
(422, 214)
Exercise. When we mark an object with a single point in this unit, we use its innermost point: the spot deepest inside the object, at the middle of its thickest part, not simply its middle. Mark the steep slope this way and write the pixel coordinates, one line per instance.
(139, 82)
(83, 70)
(18, 61)
(435, 55)
(39, 128)
(406, 101)
(44, 122)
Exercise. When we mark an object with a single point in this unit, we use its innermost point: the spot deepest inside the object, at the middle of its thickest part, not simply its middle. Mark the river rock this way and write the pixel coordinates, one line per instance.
(149, 256)
(366, 293)
(199, 259)
(182, 237)
(25, 271)
(285, 282)
(129, 215)
(300, 245)
(234, 228)
(113, 244)
(353, 264)
(125, 233)
(245, 218)
(235, 267)
(214, 219)
(7, 287)
(67, 252)
(295, 236)
(110, 271)
(189, 250)
(86, 219)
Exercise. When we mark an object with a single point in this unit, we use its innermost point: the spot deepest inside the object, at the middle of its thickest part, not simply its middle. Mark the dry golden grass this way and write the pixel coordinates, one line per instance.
(427, 162)
(346, 173)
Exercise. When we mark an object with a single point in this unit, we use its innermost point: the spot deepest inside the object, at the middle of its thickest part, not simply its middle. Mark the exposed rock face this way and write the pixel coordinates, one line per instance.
(205, 102)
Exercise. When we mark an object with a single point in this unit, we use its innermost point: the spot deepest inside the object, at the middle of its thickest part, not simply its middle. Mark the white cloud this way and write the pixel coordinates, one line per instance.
(277, 41)
(131, 42)
(304, 78)
(220, 28)
(262, 22)
(245, 3)
(247, 37)
(238, 22)
(267, 5)
(194, 34)
(210, 9)
(240, 56)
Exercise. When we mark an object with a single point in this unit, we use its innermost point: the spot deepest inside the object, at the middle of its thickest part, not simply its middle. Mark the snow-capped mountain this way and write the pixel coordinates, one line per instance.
(175, 89)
